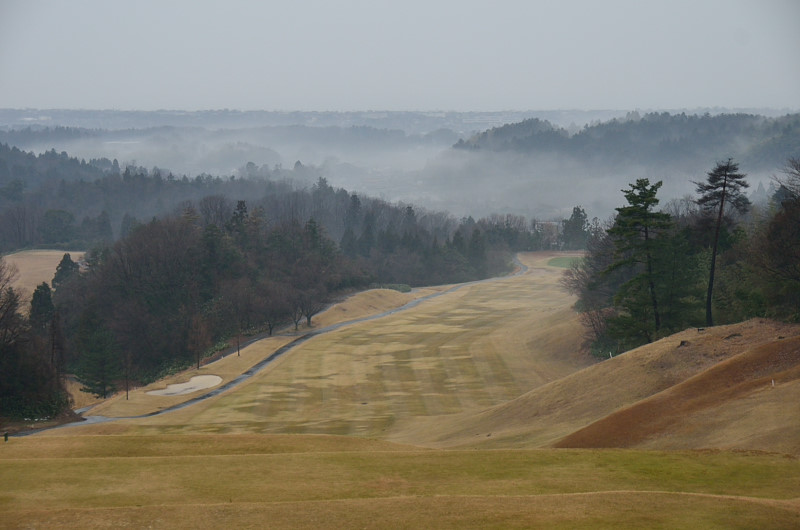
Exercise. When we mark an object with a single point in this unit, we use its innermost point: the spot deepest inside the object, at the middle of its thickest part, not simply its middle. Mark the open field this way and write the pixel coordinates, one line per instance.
(450, 411)
(312, 481)
(37, 266)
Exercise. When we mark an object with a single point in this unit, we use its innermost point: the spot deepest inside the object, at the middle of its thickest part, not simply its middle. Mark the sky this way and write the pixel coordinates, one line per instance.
(349, 55)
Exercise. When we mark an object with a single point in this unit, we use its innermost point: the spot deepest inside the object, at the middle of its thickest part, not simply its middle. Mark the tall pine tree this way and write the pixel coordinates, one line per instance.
(723, 186)
(634, 234)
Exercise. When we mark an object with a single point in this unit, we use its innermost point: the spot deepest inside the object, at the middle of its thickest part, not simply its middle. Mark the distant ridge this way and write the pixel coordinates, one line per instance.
(676, 141)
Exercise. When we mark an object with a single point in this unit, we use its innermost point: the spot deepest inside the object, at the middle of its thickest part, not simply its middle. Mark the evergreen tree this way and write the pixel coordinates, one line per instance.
(100, 364)
(723, 186)
(57, 226)
(64, 271)
(575, 230)
(367, 239)
(353, 214)
(349, 244)
(477, 252)
(127, 225)
(634, 235)
(679, 276)
(42, 309)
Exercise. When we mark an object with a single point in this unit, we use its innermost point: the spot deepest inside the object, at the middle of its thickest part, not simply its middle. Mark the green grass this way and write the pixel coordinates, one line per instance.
(563, 262)
(173, 480)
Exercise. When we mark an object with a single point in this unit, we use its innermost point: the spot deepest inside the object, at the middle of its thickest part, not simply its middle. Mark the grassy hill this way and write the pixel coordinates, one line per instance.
(692, 390)
(747, 400)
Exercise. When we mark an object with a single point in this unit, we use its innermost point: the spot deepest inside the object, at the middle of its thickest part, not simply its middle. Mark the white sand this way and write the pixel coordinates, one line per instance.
(198, 382)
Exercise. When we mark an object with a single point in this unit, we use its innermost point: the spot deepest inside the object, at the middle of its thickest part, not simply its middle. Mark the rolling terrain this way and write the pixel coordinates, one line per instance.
(472, 408)
(730, 387)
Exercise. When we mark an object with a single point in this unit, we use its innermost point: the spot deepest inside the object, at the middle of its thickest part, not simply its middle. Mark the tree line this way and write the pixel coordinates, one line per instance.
(680, 142)
(46, 202)
(698, 261)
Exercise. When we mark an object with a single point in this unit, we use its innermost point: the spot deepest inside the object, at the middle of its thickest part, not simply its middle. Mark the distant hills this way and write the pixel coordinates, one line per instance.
(534, 163)
(410, 122)
(678, 141)
(536, 168)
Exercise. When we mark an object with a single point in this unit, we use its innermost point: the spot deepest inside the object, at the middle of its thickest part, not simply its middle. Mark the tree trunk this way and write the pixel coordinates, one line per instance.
(650, 283)
(709, 316)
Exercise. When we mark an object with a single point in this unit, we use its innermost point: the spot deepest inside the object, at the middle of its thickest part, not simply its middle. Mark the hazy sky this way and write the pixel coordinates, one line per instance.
(399, 55)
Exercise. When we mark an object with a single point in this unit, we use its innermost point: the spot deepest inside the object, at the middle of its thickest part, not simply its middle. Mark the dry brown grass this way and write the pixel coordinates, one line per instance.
(80, 399)
(748, 400)
(37, 266)
(490, 366)
(497, 365)
(479, 346)
(139, 402)
(595, 510)
(304, 481)
(715, 391)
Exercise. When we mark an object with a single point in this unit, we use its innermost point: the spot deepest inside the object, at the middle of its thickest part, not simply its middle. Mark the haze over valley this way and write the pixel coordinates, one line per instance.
(527, 165)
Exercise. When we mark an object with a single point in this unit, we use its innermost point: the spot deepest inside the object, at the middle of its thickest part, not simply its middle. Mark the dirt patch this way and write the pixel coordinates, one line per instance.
(198, 382)
(724, 387)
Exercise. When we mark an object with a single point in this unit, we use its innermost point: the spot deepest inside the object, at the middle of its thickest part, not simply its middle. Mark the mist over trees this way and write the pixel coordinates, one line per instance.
(535, 164)
(547, 164)
(676, 141)
(168, 288)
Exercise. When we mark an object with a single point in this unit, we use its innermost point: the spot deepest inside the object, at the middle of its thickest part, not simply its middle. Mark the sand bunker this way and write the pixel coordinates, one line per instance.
(198, 382)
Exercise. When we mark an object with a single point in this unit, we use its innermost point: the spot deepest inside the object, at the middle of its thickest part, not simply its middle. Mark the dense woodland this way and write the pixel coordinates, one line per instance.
(160, 293)
(657, 269)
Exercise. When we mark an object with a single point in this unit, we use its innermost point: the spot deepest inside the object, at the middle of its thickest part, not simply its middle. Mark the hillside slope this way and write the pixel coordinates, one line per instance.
(749, 401)
(695, 389)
